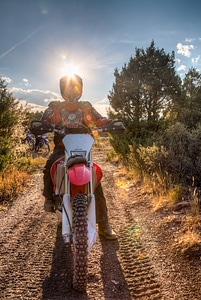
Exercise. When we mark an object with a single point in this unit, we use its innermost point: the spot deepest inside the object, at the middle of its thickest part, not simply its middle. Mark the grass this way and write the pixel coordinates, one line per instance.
(16, 176)
(189, 230)
(12, 182)
(188, 237)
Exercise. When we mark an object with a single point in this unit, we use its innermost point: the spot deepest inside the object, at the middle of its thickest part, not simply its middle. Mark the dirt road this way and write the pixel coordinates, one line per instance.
(35, 263)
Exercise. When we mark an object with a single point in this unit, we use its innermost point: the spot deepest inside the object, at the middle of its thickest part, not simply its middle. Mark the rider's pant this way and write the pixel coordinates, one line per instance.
(101, 207)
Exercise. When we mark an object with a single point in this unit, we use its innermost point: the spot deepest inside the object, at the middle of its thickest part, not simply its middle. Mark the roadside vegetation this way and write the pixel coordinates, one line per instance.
(161, 144)
(16, 164)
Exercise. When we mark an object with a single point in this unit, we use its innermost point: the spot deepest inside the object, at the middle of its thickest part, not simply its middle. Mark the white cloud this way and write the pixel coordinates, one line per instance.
(196, 59)
(184, 49)
(33, 107)
(189, 40)
(101, 106)
(35, 96)
(101, 109)
(178, 60)
(6, 79)
(181, 68)
(26, 82)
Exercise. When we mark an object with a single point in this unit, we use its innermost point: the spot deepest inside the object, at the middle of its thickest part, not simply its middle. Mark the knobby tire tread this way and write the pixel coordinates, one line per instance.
(80, 229)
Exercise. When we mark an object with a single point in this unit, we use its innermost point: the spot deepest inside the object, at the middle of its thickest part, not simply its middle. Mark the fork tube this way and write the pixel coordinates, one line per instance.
(66, 181)
(91, 169)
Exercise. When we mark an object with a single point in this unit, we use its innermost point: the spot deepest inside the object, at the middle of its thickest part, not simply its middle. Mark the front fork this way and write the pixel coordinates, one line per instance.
(67, 211)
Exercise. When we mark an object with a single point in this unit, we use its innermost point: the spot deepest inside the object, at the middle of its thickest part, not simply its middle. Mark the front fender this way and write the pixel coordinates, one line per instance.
(79, 174)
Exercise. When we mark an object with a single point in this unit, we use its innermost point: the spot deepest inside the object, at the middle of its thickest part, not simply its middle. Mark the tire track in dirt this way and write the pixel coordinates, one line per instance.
(138, 271)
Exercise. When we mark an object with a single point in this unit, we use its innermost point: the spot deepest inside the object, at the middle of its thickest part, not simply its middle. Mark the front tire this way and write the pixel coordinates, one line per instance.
(80, 243)
(31, 145)
(45, 149)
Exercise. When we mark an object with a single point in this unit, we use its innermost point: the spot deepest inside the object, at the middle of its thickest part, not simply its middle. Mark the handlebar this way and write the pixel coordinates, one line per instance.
(114, 127)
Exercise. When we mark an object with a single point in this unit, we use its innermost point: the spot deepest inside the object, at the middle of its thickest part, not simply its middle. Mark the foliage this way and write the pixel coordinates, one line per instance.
(11, 129)
(30, 116)
(162, 118)
(189, 108)
(175, 157)
(144, 92)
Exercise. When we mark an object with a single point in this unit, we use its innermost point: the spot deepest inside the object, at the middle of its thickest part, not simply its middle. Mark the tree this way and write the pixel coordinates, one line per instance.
(144, 92)
(10, 124)
(189, 111)
(31, 116)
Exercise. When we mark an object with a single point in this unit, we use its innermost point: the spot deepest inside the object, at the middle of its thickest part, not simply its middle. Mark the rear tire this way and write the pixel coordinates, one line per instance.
(80, 243)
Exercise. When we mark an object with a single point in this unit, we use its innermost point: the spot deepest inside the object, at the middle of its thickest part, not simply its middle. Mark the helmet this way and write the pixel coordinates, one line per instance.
(71, 88)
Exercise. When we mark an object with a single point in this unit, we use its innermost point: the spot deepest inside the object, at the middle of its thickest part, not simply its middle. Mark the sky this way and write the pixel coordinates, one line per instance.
(41, 40)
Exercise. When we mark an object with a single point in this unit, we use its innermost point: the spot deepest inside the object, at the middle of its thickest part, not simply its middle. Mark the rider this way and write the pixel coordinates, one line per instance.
(70, 113)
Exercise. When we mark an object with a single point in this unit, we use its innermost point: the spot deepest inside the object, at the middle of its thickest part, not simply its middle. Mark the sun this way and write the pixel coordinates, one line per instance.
(70, 70)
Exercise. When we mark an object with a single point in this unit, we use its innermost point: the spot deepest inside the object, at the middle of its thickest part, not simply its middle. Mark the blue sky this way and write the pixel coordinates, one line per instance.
(41, 38)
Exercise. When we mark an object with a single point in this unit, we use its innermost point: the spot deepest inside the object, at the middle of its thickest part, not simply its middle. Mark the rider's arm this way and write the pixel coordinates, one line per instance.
(92, 116)
(51, 115)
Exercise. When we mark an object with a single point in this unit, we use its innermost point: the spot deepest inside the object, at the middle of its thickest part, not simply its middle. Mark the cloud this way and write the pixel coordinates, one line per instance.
(102, 109)
(181, 68)
(33, 107)
(189, 40)
(101, 106)
(184, 49)
(6, 79)
(35, 96)
(178, 60)
(26, 82)
(196, 59)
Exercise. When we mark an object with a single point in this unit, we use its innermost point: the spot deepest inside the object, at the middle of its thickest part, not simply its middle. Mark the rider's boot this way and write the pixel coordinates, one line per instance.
(49, 205)
(105, 230)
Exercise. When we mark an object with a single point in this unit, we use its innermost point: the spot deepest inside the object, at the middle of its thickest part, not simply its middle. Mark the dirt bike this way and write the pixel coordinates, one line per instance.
(40, 141)
(29, 139)
(41, 144)
(75, 178)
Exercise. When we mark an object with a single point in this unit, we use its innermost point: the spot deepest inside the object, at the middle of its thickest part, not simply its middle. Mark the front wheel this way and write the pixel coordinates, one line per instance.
(43, 148)
(31, 145)
(80, 243)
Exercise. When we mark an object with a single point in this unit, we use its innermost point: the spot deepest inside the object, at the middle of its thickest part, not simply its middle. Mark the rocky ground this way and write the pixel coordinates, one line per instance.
(141, 264)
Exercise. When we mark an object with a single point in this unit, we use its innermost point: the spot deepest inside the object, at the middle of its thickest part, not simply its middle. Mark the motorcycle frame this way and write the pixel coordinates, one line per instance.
(78, 144)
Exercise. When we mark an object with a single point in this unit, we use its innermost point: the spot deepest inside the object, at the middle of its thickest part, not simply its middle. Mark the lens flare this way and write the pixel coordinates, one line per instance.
(70, 70)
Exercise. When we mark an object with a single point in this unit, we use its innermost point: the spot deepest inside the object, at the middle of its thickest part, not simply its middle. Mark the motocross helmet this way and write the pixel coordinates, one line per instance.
(71, 88)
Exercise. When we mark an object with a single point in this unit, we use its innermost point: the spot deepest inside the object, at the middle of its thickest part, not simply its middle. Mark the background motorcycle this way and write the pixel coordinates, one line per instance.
(41, 144)
(29, 139)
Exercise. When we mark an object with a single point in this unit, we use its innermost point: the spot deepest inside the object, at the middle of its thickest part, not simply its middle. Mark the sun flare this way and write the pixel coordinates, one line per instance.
(70, 70)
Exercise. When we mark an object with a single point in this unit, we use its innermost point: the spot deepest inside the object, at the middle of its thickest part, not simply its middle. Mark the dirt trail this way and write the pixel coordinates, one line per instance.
(35, 263)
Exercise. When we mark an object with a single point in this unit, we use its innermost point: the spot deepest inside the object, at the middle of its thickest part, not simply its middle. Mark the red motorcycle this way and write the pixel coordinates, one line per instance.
(75, 177)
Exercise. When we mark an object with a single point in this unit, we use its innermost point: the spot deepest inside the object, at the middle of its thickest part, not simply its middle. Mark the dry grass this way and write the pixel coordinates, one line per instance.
(189, 237)
(186, 225)
(15, 177)
(12, 182)
(37, 162)
(167, 198)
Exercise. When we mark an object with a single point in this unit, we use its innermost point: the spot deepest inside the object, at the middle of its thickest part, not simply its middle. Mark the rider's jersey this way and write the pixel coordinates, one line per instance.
(61, 114)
